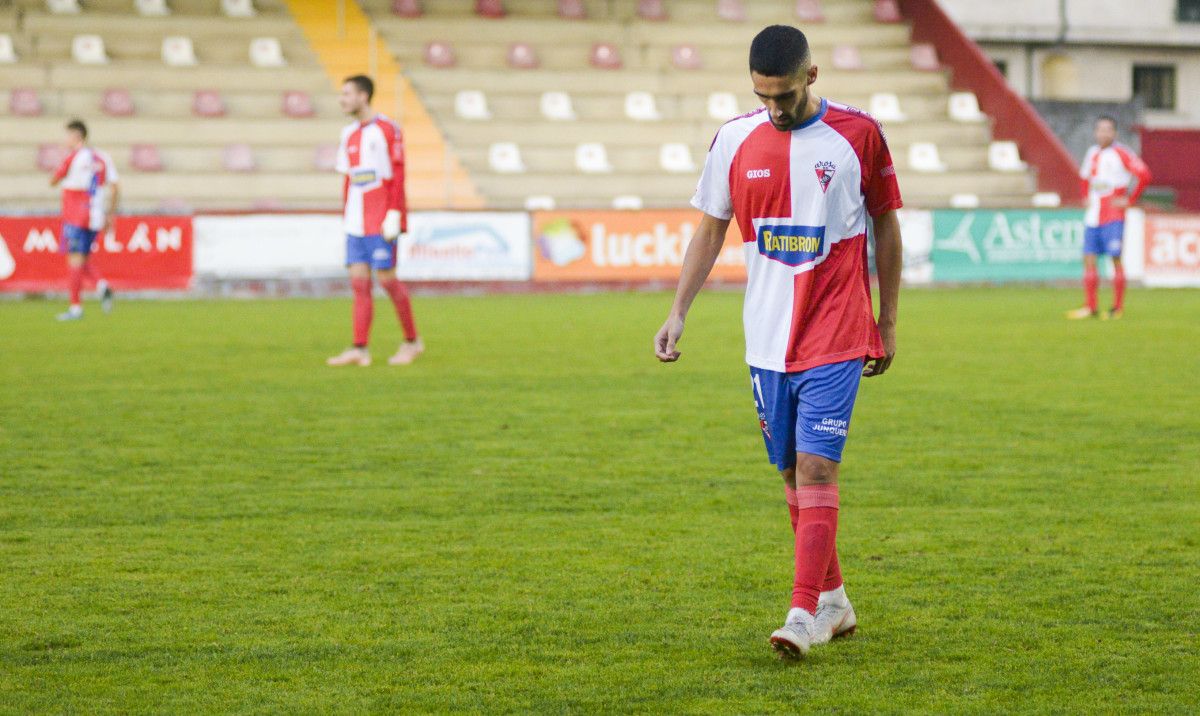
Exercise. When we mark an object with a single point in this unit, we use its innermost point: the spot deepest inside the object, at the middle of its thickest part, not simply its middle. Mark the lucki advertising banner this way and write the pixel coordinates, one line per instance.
(985, 245)
(140, 252)
(623, 246)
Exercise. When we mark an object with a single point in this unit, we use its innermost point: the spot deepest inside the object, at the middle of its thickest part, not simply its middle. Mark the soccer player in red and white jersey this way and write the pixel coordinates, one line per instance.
(90, 191)
(375, 215)
(803, 177)
(1107, 172)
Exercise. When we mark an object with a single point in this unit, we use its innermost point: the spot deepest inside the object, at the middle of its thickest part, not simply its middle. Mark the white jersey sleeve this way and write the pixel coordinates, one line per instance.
(1085, 169)
(342, 163)
(713, 195)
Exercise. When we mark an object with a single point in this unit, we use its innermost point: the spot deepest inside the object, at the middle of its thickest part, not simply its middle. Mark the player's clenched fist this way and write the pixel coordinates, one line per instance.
(668, 336)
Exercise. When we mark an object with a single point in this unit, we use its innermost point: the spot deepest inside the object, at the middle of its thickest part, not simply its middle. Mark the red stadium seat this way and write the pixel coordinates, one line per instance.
(440, 54)
(145, 158)
(572, 10)
(407, 8)
(606, 56)
(208, 103)
(887, 11)
(489, 8)
(325, 158)
(25, 103)
(809, 11)
(686, 57)
(298, 105)
(117, 103)
(651, 10)
(731, 10)
(521, 56)
(847, 57)
(239, 158)
(924, 57)
(49, 156)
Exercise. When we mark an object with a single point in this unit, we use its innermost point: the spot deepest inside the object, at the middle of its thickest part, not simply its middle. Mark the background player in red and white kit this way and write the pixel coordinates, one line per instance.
(803, 176)
(88, 179)
(1108, 169)
(375, 214)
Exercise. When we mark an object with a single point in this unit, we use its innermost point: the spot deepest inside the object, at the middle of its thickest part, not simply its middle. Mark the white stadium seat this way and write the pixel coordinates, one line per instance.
(152, 8)
(88, 50)
(964, 107)
(885, 107)
(628, 202)
(964, 201)
(722, 106)
(177, 51)
(8, 54)
(266, 52)
(676, 158)
(1047, 200)
(471, 104)
(640, 106)
(238, 8)
(1005, 157)
(557, 106)
(505, 158)
(923, 157)
(592, 158)
(540, 202)
(63, 7)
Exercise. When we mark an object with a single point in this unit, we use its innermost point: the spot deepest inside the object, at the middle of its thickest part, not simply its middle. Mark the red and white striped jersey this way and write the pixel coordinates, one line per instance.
(87, 175)
(801, 199)
(371, 155)
(1107, 173)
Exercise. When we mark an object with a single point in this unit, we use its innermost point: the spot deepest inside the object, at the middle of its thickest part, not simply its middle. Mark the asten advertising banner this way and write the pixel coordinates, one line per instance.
(623, 246)
(141, 252)
(1172, 250)
(984, 245)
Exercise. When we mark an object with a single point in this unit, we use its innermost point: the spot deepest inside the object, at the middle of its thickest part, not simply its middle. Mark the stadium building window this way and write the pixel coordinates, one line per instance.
(1002, 65)
(1155, 85)
(1188, 11)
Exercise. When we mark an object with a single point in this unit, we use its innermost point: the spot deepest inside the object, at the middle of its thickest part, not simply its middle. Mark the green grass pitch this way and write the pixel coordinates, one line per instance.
(197, 516)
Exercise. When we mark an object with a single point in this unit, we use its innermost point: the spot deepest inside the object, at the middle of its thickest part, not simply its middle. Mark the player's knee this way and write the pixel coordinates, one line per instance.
(789, 476)
(815, 470)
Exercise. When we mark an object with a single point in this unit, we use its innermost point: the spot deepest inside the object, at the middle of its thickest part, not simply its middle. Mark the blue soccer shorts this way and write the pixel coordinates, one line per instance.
(77, 240)
(372, 250)
(1105, 239)
(806, 412)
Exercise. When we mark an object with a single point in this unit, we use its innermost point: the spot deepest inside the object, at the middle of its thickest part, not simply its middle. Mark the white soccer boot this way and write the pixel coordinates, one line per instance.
(835, 617)
(351, 356)
(791, 640)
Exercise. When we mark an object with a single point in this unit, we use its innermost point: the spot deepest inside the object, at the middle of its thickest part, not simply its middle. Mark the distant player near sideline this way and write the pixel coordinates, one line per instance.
(1108, 169)
(89, 199)
(801, 176)
(371, 156)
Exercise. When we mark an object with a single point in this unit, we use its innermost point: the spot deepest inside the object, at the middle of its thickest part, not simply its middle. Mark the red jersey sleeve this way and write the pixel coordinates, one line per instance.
(1138, 169)
(880, 187)
(396, 197)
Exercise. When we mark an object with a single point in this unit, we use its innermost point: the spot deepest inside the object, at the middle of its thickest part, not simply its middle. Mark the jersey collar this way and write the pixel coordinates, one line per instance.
(815, 118)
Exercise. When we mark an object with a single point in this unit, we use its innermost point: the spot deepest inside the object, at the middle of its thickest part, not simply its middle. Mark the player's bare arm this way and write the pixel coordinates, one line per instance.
(114, 197)
(698, 262)
(889, 260)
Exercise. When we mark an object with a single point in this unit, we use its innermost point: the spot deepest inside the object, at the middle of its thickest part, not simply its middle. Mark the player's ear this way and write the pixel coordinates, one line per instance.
(812, 74)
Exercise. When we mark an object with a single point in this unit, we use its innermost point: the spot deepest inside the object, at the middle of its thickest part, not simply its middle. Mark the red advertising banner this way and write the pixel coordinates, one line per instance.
(141, 252)
(623, 246)
(1173, 250)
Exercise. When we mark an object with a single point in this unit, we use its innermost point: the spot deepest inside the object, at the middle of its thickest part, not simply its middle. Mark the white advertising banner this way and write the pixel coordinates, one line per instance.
(439, 246)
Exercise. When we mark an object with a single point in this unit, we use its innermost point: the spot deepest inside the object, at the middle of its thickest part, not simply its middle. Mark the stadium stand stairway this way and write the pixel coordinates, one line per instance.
(256, 151)
(508, 63)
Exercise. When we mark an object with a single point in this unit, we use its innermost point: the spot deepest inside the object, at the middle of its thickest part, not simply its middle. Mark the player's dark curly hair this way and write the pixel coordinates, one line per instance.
(363, 83)
(778, 51)
(76, 125)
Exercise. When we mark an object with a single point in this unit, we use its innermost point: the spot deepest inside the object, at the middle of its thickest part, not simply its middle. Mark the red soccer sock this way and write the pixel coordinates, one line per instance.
(1118, 286)
(1091, 286)
(89, 272)
(399, 295)
(74, 282)
(816, 535)
(364, 308)
(833, 574)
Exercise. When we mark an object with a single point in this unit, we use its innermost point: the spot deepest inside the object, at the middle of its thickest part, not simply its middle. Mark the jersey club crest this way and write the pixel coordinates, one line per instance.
(825, 172)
